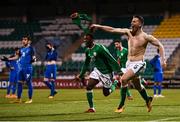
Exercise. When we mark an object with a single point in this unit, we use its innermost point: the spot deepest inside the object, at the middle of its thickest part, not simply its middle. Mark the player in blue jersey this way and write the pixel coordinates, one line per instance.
(158, 74)
(50, 72)
(13, 67)
(26, 57)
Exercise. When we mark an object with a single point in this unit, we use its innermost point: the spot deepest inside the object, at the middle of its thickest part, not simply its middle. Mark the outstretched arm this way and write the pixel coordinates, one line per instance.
(13, 58)
(110, 29)
(158, 44)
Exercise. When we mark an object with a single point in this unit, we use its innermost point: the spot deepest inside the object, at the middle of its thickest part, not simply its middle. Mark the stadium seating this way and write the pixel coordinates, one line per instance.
(169, 44)
(169, 28)
(63, 29)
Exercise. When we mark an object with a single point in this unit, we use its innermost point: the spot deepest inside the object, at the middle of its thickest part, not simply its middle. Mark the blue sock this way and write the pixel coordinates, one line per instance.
(48, 84)
(9, 88)
(159, 89)
(154, 87)
(14, 88)
(19, 90)
(52, 88)
(30, 89)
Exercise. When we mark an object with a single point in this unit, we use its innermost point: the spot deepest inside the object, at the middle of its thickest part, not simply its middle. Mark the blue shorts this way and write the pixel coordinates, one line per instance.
(13, 76)
(50, 71)
(158, 77)
(25, 74)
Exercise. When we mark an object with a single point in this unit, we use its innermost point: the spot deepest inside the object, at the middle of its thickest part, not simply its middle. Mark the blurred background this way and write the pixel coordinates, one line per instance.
(49, 21)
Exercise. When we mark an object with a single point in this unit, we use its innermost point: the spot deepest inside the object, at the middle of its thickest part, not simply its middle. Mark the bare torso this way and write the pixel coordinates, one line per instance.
(137, 46)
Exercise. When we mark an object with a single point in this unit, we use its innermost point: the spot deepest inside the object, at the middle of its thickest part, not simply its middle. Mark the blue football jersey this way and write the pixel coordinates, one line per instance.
(26, 56)
(51, 55)
(156, 63)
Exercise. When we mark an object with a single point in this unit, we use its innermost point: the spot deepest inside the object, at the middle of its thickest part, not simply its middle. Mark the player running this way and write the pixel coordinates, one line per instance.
(137, 43)
(51, 68)
(104, 64)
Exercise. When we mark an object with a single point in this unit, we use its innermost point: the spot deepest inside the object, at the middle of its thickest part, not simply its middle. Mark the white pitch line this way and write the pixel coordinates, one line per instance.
(165, 119)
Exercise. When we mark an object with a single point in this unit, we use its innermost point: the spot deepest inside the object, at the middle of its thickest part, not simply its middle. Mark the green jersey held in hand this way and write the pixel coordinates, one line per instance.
(82, 20)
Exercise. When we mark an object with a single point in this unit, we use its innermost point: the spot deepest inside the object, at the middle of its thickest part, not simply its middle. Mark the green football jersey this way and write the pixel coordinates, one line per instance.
(101, 58)
(122, 56)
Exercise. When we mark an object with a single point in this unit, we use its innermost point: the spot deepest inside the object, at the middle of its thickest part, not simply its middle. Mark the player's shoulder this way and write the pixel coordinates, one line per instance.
(86, 50)
(147, 36)
(125, 49)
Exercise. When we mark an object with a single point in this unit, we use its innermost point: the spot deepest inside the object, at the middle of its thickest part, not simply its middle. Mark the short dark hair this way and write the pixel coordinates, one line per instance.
(48, 43)
(89, 34)
(27, 36)
(140, 18)
(117, 40)
(16, 49)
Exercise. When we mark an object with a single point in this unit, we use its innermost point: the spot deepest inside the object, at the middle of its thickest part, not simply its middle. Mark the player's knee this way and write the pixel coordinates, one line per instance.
(88, 87)
(106, 92)
(138, 88)
(124, 81)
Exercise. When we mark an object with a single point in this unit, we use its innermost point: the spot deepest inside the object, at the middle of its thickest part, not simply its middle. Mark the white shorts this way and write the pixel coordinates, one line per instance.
(135, 66)
(105, 79)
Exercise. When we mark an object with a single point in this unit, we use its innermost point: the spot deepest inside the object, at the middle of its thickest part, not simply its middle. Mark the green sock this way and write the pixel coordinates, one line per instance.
(123, 96)
(142, 81)
(128, 93)
(113, 86)
(89, 95)
(144, 94)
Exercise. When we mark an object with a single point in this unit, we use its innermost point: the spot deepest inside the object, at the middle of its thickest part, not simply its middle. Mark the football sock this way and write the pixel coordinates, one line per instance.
(9, 88)
(48, 84)
(154, 88)
(128, 93)
(123, 92)
(89, 95)
(30, 89)
(113, 86)
(52, 88)
(19, 90)
(159, 89)
(144, 94)
(14, 88)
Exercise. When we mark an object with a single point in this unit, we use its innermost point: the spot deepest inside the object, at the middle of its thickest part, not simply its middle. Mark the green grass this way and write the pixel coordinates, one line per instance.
(70, 104)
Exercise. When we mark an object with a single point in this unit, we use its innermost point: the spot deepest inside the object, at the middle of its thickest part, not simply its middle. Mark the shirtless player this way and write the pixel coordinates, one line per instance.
(137, 43)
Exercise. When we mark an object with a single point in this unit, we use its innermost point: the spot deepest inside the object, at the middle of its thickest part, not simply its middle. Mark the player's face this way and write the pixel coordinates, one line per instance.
(25, 41)
(48, 46)
(117, 44)
(88, 41)
(135, 23)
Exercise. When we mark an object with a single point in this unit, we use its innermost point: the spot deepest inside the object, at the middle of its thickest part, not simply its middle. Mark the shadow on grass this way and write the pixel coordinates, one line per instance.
(168, 105)
(97, 116)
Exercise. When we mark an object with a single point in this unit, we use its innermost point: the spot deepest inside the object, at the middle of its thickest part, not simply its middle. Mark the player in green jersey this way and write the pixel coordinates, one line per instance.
(104, 65)
(122, 54)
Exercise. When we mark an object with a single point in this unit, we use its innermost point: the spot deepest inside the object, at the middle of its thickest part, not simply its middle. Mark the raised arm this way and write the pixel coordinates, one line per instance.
(110, 29)
(154, 41)
(13, 58)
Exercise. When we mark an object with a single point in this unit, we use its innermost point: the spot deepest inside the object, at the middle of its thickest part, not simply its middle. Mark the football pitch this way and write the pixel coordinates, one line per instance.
(70, 104)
